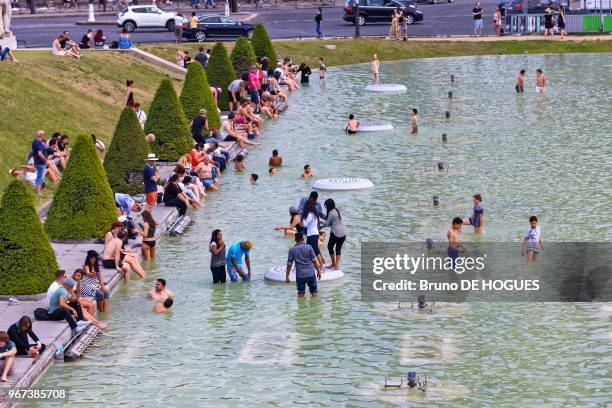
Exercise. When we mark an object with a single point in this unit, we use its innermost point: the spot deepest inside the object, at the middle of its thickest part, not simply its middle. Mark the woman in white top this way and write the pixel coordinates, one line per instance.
(532, 241)
(310, 221)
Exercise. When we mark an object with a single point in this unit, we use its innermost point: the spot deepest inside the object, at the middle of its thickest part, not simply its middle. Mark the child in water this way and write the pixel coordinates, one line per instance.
(520, 82)
(532, 241)
(239, 163)
(272, 171)
(253, 178)
(307, 173)
(415, 122)
(351, 125)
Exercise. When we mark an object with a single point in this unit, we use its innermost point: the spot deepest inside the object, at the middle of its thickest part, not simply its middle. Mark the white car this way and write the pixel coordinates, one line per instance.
(145, 17)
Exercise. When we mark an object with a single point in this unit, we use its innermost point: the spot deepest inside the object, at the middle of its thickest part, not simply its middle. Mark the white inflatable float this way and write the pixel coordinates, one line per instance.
(373, 126)
(343, 183)
(386, 88)
(277, 274)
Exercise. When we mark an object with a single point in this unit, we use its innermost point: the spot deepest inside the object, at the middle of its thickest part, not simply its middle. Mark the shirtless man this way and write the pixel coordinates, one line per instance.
(230, 134)
(454, 245)
(111, 257)
(351, 125)
(160, 293)
(307, 173)
(204, 172)
(275, 160)
(163, 307)
(540, 84)
(520, 82)
(415, 122)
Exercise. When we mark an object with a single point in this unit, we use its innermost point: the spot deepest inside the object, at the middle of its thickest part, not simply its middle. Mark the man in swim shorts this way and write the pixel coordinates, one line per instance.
(415, 122)
(351, 125)
(540, 81)
(454, 245)
(307, 269)
(234, 260)
(322, 71)
(477, 218)
(520, 82)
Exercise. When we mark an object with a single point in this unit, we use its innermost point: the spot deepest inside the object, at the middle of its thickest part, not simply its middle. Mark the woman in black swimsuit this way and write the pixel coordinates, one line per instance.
(129, 93)
(148, 235)
(305, 73)
(561, 21)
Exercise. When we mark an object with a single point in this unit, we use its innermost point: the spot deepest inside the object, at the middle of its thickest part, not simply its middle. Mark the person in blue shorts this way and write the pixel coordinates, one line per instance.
(307, 269)
(234, 261)
(477, 218)
(454, 245)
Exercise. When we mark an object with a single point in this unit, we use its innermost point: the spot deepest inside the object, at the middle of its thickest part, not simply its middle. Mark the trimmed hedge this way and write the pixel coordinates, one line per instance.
(220, 72)
(196, 95)
(28, 262)
(243, 56)
(168, 123)
(126, 154)
(262, 45)
(84, 205)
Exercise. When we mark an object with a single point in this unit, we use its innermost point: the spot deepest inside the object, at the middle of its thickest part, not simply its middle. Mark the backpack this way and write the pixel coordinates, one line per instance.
(41, 314)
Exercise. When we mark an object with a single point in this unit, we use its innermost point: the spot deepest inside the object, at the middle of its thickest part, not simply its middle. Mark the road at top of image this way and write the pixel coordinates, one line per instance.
(440, 19)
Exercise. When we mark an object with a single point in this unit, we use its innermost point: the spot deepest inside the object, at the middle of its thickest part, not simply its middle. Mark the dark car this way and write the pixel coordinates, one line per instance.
(217, 26)
(533, 6)
(380, 11)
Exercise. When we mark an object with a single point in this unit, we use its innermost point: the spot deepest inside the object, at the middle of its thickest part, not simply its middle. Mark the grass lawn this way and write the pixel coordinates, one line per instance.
(66, 95)
(351, 51)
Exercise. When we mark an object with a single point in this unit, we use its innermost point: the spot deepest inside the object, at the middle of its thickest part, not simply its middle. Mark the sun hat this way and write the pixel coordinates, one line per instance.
(151, 157)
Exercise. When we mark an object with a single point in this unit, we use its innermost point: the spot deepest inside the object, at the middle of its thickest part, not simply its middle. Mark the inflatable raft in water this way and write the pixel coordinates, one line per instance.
(342, 183)
(277, 274)
(373, 126)
(386, 88)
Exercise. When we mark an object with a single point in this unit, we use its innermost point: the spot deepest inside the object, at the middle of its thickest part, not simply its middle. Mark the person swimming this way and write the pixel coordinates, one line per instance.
(307, 173)
(239, 163)
(253, 178)
(163, 307)
(351, 125)
(272, 171)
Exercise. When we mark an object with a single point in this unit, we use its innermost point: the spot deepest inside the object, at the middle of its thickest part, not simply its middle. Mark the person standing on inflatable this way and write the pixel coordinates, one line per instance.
(375, 69)
(234, 261)
(307, 269)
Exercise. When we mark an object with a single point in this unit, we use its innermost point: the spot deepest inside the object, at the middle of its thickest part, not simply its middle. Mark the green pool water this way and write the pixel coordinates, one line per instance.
(256, 345)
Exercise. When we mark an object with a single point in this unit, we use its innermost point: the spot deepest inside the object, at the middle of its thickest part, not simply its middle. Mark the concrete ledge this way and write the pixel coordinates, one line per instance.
(155, 60)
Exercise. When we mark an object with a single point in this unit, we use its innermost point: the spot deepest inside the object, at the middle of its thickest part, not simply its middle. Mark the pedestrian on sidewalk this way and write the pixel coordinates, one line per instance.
(477, 13)
(318, 19)
(178, 27)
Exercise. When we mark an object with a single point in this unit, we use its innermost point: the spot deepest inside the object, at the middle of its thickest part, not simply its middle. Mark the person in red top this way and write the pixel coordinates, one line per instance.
(253, 86)
(196, 155)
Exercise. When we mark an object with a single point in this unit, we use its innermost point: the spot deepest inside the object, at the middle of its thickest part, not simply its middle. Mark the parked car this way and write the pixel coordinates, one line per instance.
(433, 1)
(380, 11)
(217, 26)
(533, 6)
(134, 17)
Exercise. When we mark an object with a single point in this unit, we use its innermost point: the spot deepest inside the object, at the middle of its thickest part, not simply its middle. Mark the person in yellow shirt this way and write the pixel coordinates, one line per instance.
(193, 23)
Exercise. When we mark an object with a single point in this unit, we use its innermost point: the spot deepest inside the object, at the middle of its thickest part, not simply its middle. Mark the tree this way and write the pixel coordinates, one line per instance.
(220, 72)
(243, 56)
(126, 154)
(83, 206)
(28, 262)
(262, 45)
(168, 123)
(196, 95)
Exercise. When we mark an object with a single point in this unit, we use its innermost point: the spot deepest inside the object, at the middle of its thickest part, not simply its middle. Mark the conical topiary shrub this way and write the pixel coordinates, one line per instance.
(196, 95)
(243, 56)
(168, 123)
(83, 206)
(126, 154)
(28, 262)
(262, 45)
(220, 72)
